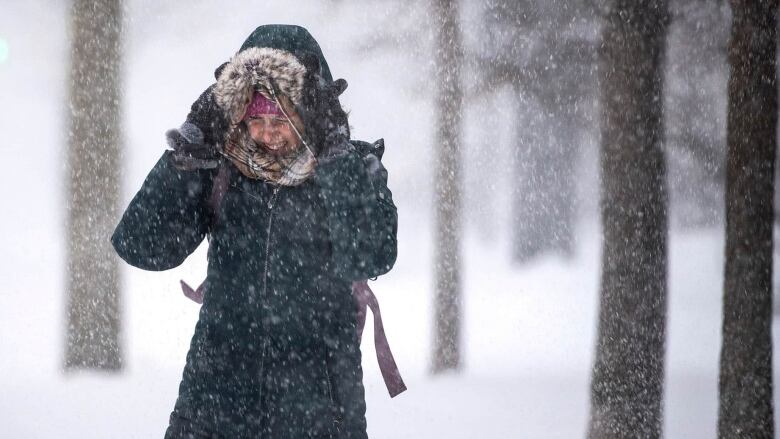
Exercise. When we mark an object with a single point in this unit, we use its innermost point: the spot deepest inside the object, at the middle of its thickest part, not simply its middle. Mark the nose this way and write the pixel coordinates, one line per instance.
(262, 130)
(268, 132)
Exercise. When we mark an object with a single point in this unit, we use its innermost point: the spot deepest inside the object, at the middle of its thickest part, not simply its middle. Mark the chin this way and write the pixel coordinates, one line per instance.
(284, 150)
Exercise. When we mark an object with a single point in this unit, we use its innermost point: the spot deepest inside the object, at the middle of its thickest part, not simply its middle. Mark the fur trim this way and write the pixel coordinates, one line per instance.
(258, 68)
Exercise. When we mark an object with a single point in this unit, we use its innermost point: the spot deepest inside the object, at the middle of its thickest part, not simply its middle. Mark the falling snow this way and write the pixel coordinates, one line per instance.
(528, 231)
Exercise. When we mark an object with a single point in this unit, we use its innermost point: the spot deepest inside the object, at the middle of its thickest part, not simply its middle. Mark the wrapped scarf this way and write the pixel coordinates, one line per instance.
(255, 162)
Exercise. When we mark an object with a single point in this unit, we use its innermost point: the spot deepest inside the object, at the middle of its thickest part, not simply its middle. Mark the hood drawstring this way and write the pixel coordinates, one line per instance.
(279, 104)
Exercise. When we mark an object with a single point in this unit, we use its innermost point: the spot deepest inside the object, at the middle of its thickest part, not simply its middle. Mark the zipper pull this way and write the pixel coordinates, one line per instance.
(272, 201)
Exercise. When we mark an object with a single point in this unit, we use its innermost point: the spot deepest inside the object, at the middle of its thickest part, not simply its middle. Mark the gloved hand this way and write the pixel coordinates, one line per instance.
(197, 142)
(327, 127)
(189, 150)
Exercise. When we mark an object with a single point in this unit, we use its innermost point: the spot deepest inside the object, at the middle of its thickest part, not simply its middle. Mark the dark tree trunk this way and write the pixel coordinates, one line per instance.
(449, 101)
(627, 382)
(746, 354)
(93, 314)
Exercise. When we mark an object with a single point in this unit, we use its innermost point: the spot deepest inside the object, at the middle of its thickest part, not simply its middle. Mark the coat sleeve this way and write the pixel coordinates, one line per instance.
(362, 218)
(167, 219)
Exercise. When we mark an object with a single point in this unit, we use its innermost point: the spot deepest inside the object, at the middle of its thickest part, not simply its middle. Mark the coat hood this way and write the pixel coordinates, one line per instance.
(294, 39)
(273, 59)
(267, 70)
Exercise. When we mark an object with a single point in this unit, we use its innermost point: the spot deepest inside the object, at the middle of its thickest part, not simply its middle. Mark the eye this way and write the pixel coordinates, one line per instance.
(278, 123)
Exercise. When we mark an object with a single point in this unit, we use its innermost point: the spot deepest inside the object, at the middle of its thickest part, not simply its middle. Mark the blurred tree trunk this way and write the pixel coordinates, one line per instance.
(695, 101)
(546, 50)
(447, 201)
(746, 353)
(544, 196)
(93, 299)
(627, 382)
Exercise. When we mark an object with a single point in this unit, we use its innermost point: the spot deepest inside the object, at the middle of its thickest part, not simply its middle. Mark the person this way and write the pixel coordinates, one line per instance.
(303, 213)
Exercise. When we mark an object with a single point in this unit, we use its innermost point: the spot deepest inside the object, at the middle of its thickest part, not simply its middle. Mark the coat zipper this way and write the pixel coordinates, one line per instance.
(262, 373)
(327, 378)
(334, 409)
(271, 204)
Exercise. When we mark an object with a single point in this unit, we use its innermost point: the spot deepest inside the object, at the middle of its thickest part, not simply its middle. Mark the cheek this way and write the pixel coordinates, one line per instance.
(254, 133)
(291, 138)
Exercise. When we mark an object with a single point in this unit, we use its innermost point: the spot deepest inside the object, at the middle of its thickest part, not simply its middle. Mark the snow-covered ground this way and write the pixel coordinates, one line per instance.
(529, 335)
(529, 330)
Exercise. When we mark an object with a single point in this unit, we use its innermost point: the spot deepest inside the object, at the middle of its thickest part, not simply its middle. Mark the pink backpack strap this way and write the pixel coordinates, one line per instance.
(384, 356)
(218, 188)
(195, 295)
(364, 298)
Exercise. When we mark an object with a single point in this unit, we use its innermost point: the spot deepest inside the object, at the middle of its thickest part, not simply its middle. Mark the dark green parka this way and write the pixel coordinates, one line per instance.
(275, 352)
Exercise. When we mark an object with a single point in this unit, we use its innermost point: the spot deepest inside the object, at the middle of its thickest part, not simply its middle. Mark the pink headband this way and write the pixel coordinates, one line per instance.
(261, 105)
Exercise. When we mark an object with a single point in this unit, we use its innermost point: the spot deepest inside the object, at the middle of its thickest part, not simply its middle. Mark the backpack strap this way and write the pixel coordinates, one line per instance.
(384, 356)
(218, 189)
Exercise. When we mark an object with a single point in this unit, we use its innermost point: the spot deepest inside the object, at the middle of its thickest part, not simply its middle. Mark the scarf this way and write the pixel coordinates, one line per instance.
(255, 162)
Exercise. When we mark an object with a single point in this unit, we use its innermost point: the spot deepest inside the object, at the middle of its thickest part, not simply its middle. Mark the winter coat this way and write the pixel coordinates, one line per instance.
(275, 352)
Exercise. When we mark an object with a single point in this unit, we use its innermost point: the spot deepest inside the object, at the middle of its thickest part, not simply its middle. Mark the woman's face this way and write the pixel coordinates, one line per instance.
(273, 133)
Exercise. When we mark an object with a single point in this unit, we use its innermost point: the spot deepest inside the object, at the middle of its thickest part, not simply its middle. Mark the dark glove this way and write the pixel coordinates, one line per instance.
(327, 127)
(372, 159)
(197, 142)
(189, 150)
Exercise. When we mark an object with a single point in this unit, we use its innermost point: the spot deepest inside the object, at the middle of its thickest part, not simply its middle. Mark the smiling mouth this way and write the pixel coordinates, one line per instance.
(276, 148)
(272, 146)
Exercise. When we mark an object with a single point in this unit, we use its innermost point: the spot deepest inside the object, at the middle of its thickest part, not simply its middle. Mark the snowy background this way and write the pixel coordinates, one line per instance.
(529, 329)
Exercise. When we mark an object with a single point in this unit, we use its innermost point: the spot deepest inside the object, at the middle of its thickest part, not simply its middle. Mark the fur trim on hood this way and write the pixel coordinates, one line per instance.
(263, 69)
(279, 76)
